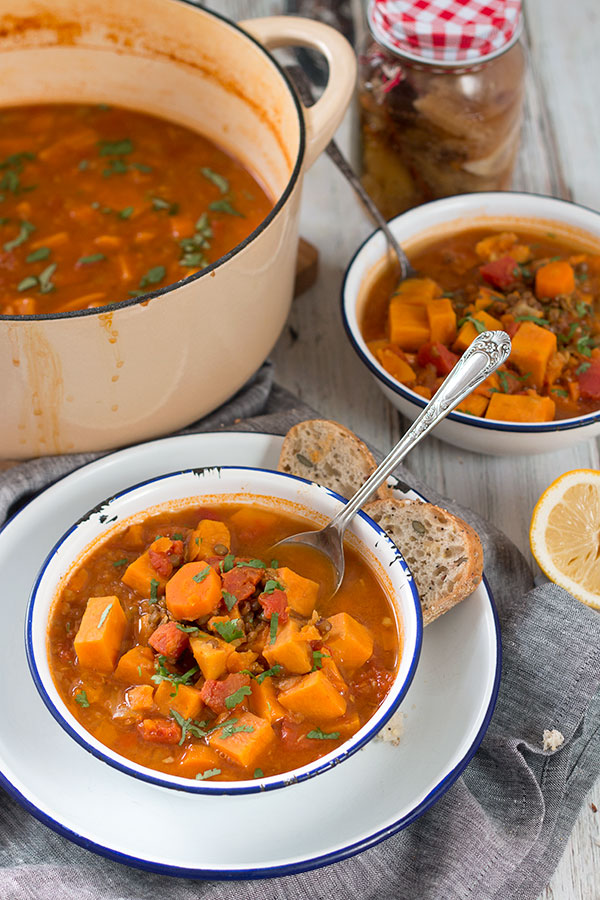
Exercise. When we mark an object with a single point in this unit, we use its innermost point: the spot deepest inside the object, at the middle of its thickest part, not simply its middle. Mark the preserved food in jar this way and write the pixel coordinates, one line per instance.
(440, 109)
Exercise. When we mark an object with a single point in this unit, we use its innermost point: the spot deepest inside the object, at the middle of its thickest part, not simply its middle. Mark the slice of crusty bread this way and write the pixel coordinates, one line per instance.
(326, 452)
(443, 553)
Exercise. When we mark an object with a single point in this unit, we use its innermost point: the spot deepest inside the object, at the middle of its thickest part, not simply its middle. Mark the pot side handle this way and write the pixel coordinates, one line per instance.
(323, 118)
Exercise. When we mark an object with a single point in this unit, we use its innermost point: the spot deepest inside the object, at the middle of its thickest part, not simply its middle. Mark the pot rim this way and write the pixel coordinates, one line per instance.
(151, 295)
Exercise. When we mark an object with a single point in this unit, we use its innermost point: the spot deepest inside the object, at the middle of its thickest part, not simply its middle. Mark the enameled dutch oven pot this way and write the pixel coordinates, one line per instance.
(92, 380)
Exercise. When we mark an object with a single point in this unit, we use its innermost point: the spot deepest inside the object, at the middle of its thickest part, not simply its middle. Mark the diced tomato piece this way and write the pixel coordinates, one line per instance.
(160, 562)
(215, 563)
(589, 382)
(293, 734)
(439, 356)
(169, 640)
(241, 581)
(160, 731)
(214, 693)
(500, 272)
(275, 602)
(511, 328)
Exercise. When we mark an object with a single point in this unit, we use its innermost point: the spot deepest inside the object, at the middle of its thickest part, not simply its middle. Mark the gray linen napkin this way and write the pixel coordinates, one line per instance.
(497, 833)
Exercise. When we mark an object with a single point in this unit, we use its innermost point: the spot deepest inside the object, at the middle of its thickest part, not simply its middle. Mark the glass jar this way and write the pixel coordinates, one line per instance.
(431, 130)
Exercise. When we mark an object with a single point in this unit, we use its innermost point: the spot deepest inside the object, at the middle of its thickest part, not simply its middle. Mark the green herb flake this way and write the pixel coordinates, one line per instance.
(83, 164)
(44, 278)
(121, 562)
(159, 204)
(125, 213)
(92, 258)
(537, 319)
(29, 282)
(163, 674)
(582, 368)
(202, 776)
(560, 392)
(237, 697)
(39, 254)
(177, 536)
(24, 232)
(583, 346)
(82, 699)
(187, 629)
(273, 628)
(227, 563)
(229, 631)
(153, 276)
(504, 382)
(154, 585)
(102, 619)
(115, 167)
(225, 206)
(318, 735)
(219, 180)
(68, 627)
(258, 773)
(251, 564)
(139, 668)
(141, 167)
(201, 575)
(269, 673)
(229, 729)
(581, 308)
(115, 148)
(272, 585)
(230, 600)
(318, 657)
(274, 564)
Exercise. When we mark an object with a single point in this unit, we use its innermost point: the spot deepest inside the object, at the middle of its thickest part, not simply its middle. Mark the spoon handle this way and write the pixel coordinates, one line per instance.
(487, 352)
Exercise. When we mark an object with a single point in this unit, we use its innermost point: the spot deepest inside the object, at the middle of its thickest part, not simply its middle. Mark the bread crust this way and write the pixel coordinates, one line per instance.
(330, 454)
(442, 551)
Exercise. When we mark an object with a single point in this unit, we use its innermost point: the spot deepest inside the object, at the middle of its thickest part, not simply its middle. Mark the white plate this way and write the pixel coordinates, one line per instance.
(369, 797)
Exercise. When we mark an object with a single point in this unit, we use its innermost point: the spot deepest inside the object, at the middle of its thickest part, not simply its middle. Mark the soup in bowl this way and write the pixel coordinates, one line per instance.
(183, 646)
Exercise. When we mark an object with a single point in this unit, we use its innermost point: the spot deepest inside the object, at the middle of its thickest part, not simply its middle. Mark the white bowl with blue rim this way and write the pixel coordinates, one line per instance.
(508, 211)
(195, 487)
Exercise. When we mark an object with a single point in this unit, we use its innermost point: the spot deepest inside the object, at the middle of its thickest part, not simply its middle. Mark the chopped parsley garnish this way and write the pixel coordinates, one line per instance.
(317, 735)
(560, 392)
(258, 773)
(225, 206)
(68, 627)
(274, 564)
(39, 254)
(273, 628)
(188, 726)
(269, 673)
(159, 204)
(82, 699)
(251, 564)
(29, 282)
(208, 774)
(83, 164)
(230, 600)
(318, 657)
(121, 562)
(226, 564)
(163, 674)
(479, 325)
(220, 181)
(44, 278)
(153, 276)
(581, 308)
(193, 246)
(582, 368)
(504, 382)
(115, 148)
(116, 166)
(177, 536)
(539, 320)
(139, 668)
(201, 575)
(188, 629)
(272, 585)
(229, 631)
(102, 619)
(92, 258)
(237, 697)
(125, 213)
(24, 232)
(154, 585)
(229, 729)
(583, 345)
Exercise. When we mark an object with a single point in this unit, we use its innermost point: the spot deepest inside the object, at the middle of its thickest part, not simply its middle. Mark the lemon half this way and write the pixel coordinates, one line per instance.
(565, 534)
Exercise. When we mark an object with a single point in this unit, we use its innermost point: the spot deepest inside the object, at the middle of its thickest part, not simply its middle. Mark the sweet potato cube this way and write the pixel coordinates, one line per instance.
(208, 534)
(186, 700)
(240, 660)
(294, 655)
(408, 325)
(349, 642)
(474, 405)
(418, 291)
(301, 592)
(468, 332)
(348, 726)
(397, 367)
(264, 702)
(136, 666)
(314, 697)
(193, 591)
(140, 697)
(520, 408)
(140, 574)
(197, 759)
(532, 347)
(244, 747)
(98, 641)
(442, 321)
(211, 654)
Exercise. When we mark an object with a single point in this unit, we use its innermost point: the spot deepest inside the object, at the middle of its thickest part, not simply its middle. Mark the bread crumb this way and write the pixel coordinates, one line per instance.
(552, 739)
(393, 730)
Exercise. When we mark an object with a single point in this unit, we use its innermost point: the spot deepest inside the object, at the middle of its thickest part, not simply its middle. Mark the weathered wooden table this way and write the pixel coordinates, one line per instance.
(560, 155)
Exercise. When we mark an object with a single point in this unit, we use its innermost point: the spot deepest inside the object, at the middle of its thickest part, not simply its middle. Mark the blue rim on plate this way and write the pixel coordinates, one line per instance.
(404, 392)
(314, 862)
(286, 779)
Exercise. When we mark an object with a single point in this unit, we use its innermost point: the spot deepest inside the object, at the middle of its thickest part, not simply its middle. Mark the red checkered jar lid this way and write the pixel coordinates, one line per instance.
(445, 32)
